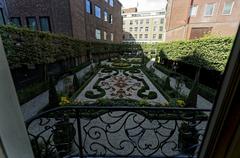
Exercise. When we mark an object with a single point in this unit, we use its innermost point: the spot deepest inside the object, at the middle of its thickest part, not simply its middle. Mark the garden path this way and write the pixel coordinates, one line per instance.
(201, 102)
(32, 107)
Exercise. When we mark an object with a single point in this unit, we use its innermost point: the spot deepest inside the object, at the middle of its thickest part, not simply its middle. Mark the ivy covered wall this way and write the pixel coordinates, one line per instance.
(26, 47)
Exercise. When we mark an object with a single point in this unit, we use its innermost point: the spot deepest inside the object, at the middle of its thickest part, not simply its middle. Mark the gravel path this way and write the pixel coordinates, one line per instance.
(33, 106)
(201, 102)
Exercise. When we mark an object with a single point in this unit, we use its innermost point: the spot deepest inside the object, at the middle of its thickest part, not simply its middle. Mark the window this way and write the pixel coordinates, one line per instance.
(2, 19)
(136, 22)
(111, 2)
(97, 11)
(146, 29)
(155, 21)
(141, 21)
(130, 29)
(155, 28)
(45, 24)
(105, 35)
(160, 36)
(146, 36)
(98, 34)
(105, 16)
(88, 7)
(136, 29)
(141, 29)
(227, 9)
(154, 36)
(162, 21)
(112, 37)
(160, 28)
(130, 36)
(147, 21)
(131, 22)
(194, 9)
(140, 36)
(32, 23)
(110, 20)
(209, 9)
(16, 21)
(135, 36)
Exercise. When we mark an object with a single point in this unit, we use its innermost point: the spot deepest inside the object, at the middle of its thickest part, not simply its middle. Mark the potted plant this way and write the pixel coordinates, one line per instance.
(63, 136)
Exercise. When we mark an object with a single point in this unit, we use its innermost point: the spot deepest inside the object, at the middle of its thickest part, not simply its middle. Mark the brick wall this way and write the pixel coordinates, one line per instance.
(179, 28)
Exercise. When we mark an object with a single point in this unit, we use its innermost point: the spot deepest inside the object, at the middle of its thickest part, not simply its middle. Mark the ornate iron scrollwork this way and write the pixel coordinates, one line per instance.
(117, 132)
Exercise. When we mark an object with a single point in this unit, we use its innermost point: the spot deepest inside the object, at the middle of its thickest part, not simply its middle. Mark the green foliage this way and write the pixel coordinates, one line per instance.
(192, 97)
(211, 53)
(167, 84)
(206, 92)
(24, 47)
(76, 84)
(53, 96)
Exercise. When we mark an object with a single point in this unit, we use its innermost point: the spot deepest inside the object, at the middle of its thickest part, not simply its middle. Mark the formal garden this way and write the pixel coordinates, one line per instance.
(154, 97)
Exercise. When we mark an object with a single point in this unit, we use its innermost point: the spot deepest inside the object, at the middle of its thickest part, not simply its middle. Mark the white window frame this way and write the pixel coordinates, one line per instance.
(98, 34)
(105, 35)
(194, 11)
(230, 9)
(112, 36)
(205, 9)
(105, 16)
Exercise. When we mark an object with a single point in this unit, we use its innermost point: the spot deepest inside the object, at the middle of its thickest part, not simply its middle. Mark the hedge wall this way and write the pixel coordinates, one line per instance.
(210, 53)
(26, 47)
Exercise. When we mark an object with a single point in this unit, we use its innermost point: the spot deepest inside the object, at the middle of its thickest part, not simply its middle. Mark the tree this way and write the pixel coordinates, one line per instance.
(192, 97)
(53, 96)
(167, 85)
(76, 84)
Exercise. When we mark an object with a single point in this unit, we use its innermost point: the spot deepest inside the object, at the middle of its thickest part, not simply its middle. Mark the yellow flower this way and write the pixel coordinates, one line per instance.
(180, 103)
(64, 101)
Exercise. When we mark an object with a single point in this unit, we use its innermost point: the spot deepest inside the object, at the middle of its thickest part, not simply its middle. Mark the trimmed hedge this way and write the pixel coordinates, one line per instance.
(26, 47)
(210, 53)
(144, 88)
(205, 91)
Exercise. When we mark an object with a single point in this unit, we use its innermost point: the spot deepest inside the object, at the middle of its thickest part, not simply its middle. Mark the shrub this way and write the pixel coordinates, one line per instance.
(53, 96)
(76, 84)
(167, 84)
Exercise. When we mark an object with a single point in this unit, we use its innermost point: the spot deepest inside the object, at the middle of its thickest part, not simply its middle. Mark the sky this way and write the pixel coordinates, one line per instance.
(145, 5)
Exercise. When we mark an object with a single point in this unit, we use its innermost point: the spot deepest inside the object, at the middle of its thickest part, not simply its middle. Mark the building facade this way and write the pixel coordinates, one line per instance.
(3, 13)
(143, 27)
(90, 20)
(191, 19)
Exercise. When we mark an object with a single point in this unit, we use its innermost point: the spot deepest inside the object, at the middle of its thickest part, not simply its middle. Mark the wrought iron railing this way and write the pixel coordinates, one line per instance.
(93, 131)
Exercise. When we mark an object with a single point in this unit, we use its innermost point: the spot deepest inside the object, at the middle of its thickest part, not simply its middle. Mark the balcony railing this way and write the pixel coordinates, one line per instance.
(93, 131)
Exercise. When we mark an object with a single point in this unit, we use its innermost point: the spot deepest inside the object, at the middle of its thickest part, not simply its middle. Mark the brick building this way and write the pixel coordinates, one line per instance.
(91, 20)
(3, 12)
(190, 19)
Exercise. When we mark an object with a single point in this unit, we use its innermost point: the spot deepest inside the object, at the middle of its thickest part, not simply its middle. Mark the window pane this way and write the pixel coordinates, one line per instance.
(45, 24)
(161, 21)
(2, 20)
(105, 35)
(98, 34)
(111, 2)
(32, 23)
(112, 36)
(105, 16)
(227, 8)
(193, 11)
(160, 28)
(110, 19)
(97, 11)
(209, 9)
(16, 21)
(88, 6)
